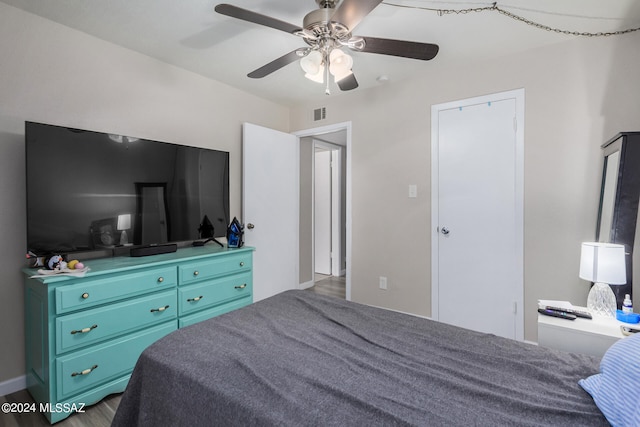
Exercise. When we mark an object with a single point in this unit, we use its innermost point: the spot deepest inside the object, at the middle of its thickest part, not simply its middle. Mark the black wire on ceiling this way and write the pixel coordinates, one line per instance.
(493, 7)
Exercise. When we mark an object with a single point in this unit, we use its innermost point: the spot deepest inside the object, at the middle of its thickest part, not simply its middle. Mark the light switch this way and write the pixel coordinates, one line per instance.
(413, 191)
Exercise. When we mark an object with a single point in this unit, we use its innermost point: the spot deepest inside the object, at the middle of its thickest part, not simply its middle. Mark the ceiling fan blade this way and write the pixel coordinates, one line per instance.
(350, 12)
(256, 18)
(276, 64)
(348, 83)
(402, 48)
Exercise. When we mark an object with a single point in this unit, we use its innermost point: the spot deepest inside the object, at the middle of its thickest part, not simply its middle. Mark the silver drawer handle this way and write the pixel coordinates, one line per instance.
(244, 285)
(195, 299)
(85, 372)
(241, 263)
(160, 279)
(153, 310)
(85, 295)
(195, 273)
(83, 331)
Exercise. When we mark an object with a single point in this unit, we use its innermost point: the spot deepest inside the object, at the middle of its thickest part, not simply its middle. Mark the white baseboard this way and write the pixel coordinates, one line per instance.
(306, 285)
(399, 311)
(13, 385)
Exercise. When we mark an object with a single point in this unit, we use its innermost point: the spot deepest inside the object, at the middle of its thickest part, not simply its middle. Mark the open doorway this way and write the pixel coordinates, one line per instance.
(328, 238)
(324, 208)
(268, 154)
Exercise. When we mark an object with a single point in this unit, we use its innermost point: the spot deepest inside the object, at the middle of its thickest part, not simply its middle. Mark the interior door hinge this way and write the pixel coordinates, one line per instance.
(515, 124)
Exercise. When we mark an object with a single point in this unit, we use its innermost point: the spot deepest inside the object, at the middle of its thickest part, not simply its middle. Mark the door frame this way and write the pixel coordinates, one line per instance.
(318, 132)
(336, 218)
(518, 95)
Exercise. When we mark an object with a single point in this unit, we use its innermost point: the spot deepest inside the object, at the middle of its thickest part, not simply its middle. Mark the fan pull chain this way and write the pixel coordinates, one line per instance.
(327, 91)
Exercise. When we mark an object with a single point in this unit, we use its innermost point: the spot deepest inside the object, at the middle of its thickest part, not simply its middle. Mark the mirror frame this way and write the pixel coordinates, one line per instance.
(625, 205)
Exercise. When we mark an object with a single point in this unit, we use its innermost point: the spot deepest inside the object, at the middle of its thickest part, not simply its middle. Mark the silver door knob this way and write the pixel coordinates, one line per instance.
(250, 226)
(445, 230)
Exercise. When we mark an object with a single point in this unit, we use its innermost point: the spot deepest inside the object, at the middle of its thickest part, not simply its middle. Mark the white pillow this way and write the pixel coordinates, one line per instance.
(616, 389)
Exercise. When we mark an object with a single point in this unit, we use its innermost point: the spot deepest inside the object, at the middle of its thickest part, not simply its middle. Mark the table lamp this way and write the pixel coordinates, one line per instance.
(603, 264)
(124, 224)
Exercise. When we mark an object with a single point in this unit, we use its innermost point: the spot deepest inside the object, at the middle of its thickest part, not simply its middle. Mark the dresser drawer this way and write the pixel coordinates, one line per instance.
(215, 311)
(214, 292)
(90, 327)
(91, 293)
(87, 369)
(215, 267)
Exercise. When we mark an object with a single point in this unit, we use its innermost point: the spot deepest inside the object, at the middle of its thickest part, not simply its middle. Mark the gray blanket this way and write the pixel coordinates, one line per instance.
(304, 359)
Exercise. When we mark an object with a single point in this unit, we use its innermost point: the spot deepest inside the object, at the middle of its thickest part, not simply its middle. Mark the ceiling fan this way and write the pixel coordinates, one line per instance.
(326, 31)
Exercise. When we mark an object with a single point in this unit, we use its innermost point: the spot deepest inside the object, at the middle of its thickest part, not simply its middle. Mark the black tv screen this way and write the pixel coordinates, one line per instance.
(94, 191)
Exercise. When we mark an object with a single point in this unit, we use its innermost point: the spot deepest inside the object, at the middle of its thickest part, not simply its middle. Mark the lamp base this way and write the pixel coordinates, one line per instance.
(602, 301)
(124, 239)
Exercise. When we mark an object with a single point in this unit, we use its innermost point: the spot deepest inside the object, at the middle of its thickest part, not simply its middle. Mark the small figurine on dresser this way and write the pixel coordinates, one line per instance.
(56, 264)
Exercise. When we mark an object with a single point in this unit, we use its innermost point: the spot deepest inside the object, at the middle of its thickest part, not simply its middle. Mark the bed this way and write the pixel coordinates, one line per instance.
(300, 358)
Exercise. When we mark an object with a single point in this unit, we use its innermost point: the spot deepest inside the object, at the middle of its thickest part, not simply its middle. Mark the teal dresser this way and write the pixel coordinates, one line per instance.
(84, 335)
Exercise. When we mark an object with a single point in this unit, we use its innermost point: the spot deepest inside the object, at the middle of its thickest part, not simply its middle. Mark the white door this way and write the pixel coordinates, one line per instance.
(270, 204)
(477, 213)
(322, 211)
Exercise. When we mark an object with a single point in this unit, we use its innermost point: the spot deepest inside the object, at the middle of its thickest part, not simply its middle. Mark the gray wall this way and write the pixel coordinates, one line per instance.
(306, 210)
(578, 95)
(52, 74)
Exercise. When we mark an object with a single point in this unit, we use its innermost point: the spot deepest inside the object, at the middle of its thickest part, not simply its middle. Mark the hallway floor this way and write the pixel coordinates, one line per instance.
(329, 285)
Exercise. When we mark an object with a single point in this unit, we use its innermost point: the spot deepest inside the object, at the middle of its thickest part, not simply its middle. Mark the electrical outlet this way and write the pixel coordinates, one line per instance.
(383, 283)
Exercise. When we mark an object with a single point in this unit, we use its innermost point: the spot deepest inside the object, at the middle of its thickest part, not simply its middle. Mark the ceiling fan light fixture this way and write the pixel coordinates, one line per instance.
(312, 62)
(338, 57)
(326, 31)
(340, 64)
(317, 77)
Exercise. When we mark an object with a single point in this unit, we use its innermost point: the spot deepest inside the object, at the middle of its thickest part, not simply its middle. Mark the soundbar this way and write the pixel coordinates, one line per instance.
(154, 249)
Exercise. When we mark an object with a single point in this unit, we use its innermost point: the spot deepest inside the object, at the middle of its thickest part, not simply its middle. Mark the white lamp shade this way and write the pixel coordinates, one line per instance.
(318, 77)
(124, 222)
(340, 64)
(312, 62)
(603, 263)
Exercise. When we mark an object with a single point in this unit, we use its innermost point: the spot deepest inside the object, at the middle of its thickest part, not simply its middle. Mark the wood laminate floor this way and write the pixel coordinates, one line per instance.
(329, 285)
(101, 414)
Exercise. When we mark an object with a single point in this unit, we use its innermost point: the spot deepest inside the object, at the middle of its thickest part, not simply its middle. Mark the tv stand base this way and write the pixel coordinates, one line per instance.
(154, 250)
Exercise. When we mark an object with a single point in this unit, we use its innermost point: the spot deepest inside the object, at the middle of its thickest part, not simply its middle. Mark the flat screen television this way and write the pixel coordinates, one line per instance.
(92, 191)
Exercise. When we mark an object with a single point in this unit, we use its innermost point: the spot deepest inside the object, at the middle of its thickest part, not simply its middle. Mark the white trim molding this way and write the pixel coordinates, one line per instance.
(13, 385)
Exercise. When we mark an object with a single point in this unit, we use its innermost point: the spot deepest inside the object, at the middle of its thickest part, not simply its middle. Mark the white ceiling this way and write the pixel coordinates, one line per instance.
(192, 36)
